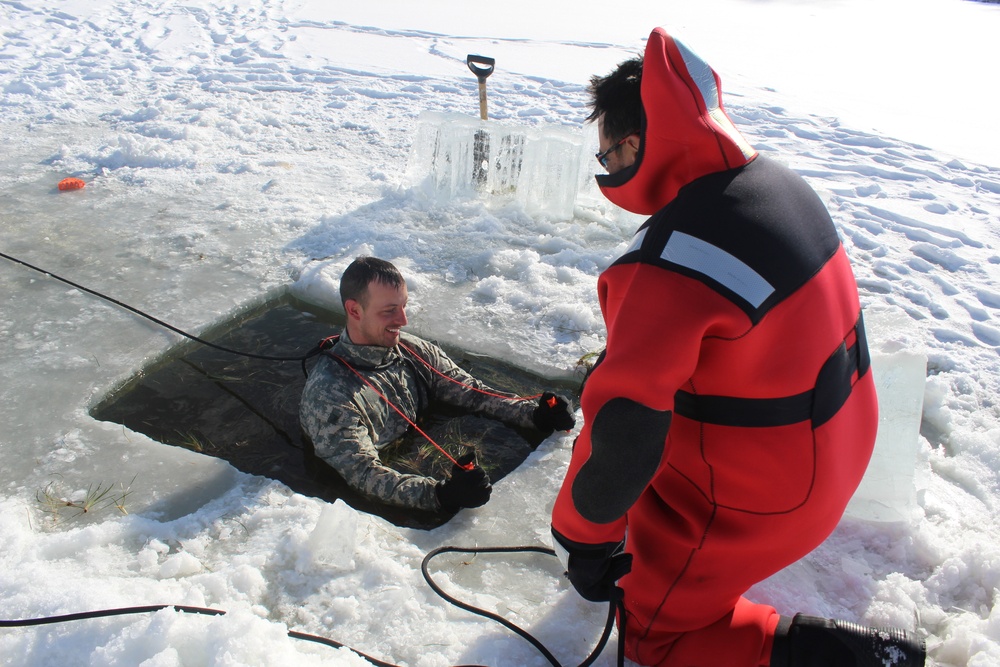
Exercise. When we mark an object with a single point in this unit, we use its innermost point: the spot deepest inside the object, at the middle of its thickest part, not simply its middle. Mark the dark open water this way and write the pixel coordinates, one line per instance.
(246, 410)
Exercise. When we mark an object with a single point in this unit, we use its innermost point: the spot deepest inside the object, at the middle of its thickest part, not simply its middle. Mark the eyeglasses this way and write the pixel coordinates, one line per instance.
(603, 157)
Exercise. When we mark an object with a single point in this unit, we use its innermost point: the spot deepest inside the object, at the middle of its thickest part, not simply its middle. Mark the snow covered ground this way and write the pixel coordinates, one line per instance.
(233, 150)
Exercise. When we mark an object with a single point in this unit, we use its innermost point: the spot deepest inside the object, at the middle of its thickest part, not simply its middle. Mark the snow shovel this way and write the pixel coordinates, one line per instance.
(482, 67)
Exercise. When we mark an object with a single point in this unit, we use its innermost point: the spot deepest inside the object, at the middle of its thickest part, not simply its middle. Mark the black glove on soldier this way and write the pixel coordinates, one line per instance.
(594, 569)
(552, 414)
(465, 488)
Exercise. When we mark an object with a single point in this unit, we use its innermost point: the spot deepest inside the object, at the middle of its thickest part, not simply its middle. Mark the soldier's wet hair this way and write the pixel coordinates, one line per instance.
(618, 98)
(362, 272)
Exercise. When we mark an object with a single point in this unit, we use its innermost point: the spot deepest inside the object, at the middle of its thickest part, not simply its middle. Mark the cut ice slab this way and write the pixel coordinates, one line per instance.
(454, 156)
(887, 492)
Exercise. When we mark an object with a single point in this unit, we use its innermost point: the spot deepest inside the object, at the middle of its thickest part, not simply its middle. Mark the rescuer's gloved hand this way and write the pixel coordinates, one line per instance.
(552, 414)
(465, 488)
(594, 569)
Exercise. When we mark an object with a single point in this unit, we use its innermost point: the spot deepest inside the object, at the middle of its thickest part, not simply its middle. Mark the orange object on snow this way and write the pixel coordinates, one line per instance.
(71, 184)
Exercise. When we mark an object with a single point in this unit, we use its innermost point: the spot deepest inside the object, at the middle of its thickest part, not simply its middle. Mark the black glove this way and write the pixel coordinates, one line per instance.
(594, 569)
(465, 488)
(552, 414)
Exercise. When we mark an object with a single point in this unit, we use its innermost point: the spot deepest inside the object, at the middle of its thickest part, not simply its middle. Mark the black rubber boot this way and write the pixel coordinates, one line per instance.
(809, 641)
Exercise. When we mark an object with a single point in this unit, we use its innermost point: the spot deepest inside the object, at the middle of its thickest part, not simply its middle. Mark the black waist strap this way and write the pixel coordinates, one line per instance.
(833, 387)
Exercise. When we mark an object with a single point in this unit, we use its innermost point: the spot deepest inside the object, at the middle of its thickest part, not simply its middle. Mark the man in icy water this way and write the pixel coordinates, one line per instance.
(733, 412)
(367, 392)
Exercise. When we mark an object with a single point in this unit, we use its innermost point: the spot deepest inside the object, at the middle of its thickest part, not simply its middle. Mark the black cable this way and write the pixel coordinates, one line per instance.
(612, 608)
(150, 317)
(124, 611)
(481, 612)
(107, 612)
(329, 642)
(620, 605)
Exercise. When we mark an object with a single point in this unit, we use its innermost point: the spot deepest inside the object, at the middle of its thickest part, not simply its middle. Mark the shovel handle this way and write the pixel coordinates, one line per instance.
(474, 62)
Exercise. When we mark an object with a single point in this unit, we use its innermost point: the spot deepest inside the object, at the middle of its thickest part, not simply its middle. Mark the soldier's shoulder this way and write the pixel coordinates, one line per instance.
(420, 344)
(329, 375)
(412, 339)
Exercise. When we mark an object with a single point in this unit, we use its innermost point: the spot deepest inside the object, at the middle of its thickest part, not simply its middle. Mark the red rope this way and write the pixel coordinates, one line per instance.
(468, 466)
(462, 384)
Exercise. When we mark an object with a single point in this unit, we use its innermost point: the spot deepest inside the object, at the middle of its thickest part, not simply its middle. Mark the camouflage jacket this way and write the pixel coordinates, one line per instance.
(349, 423)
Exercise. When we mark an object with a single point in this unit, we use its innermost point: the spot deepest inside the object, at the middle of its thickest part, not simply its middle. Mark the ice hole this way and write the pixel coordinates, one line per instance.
(245, 410)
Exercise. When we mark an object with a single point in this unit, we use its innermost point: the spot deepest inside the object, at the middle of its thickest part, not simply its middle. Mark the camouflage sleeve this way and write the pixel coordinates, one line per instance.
(341, 437)
(499, 405)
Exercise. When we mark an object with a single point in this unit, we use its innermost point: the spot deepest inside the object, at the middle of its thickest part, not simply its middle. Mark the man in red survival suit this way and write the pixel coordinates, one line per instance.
(733, 413)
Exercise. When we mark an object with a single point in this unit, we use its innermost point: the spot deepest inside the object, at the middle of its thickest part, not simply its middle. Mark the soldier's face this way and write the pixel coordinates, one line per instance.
(378, 320)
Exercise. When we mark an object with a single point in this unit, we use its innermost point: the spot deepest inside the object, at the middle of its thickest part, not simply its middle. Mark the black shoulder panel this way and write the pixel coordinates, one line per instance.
(755, 234)
(627, 441)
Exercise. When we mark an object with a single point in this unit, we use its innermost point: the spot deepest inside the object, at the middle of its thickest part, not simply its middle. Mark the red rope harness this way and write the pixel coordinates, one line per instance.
(462, 384)
(468, 466)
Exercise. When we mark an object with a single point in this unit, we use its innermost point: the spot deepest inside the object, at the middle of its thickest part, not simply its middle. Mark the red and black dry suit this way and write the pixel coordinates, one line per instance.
(733, 413)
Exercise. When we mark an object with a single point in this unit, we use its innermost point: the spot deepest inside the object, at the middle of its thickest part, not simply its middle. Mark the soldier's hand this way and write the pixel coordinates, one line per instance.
(465, 488)
(552, 414)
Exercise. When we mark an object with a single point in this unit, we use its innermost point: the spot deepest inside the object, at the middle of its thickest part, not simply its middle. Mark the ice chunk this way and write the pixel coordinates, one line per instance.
(332, 541)
(454, 156)
(899, 364)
